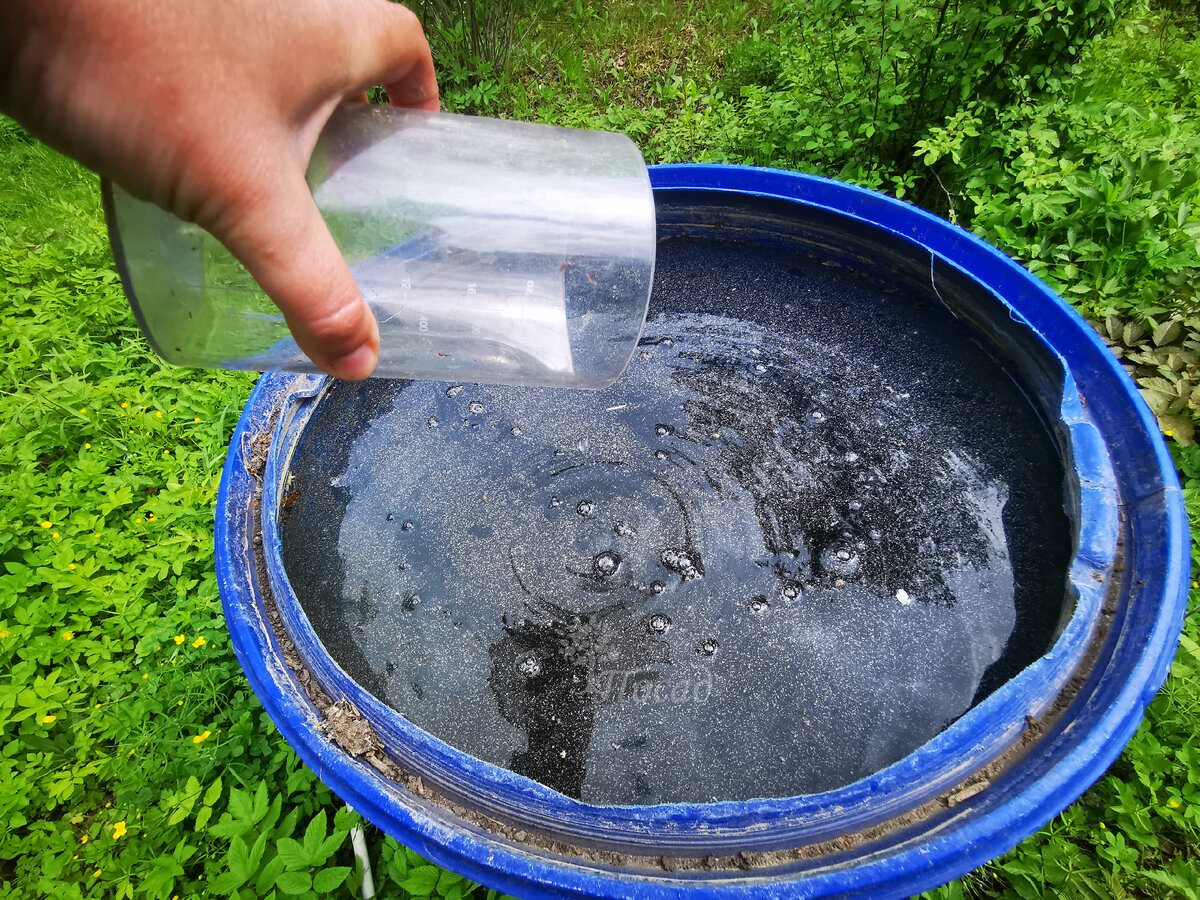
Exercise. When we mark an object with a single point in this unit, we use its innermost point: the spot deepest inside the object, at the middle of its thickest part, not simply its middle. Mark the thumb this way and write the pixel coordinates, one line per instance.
(279, 236)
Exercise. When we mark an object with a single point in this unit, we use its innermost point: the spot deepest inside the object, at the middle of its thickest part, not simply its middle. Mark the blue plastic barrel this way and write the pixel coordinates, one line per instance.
(993, 777)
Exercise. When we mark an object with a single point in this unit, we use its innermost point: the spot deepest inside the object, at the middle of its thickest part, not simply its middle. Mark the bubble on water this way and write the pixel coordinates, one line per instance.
(621, 529)
(904, 597)
(681, 562)
(606, 563)
(759, 604)
(454, 390)
(555, 503)
(411, 602)
(431, 422)
(586, 508)
(707, 647)
(661, 454)
(816, 416)
(851, 456)
(408, 525)
(790, 592)
(475, 408)
(760, 369)
(875, 535)
(657, 587)
(516, 431)
(855, 505)
(659, 623)
(391, 517)
(840, 560)
(662, 430)
(529, 664)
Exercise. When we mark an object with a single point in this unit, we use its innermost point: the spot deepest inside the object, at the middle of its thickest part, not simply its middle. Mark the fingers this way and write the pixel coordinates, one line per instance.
(279, 236)
(400, 59)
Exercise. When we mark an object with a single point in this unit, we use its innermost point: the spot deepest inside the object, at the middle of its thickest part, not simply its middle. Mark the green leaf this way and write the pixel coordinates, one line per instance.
(421, 880)
(314, 835)
(294, 882)
(160, 881)
(213, 794)
(261, 802)
(241, 806)
(268, 874)
(447, 880)
(238, 861)
(292, 853)
(226, 883)
(256, 852)
(328, 879)
(203, 816)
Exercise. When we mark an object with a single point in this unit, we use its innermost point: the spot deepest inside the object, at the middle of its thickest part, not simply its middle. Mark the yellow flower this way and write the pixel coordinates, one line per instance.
(46, 524)
(119, 829)
(179, 638)
(46, 720)
(3, 633)
(1102, 825)
(87, 446)
(83, 840)
(137, 521)
(55, 535)
(158, 414)
(197, 419)
(124, 405)
(199, 642)
(70, 566)
(166, 453)
(151, 517)
(82, 411)
(96, 874)
(180, 703)
(68, 635)
(146, 675)
(97, 706)
(1174, 804)
(201, 737)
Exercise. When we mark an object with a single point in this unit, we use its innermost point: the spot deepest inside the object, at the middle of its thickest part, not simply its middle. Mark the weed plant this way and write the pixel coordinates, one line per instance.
(135, 761)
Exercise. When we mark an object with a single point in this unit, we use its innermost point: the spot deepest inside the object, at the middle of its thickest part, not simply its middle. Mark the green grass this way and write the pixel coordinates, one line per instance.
(135, 762)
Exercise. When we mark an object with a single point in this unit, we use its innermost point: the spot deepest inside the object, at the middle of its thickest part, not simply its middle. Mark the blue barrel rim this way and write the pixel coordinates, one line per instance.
(1119, 718)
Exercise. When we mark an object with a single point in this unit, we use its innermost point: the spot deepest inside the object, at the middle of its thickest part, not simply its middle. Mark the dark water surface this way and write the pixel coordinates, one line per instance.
(812, 525)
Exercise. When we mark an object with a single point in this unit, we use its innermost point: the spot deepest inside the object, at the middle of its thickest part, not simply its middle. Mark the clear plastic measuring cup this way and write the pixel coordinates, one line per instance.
(488, 250)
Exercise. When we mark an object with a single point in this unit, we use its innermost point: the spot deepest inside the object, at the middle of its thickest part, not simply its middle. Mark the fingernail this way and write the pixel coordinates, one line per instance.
(356, 365)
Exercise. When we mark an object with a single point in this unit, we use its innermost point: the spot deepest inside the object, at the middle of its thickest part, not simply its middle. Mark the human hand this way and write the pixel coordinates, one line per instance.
(211, 109)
